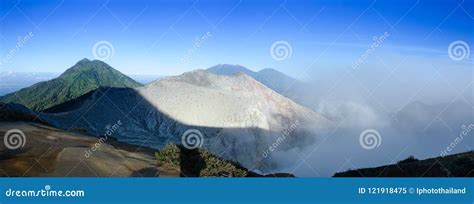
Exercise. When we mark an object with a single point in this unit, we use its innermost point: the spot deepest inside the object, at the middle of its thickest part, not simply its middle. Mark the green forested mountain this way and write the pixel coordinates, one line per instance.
(84, 76)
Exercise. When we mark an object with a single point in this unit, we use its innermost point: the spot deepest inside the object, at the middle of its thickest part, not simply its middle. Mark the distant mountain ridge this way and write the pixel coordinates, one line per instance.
(84, 76)
(271, 78)
(283, 84)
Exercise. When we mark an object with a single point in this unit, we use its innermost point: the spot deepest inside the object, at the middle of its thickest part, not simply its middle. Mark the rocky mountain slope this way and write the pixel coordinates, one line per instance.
(52, 152)
(81, 78)
(237, 117)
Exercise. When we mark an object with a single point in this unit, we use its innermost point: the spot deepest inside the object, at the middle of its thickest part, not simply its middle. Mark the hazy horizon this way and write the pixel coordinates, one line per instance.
(132, 73)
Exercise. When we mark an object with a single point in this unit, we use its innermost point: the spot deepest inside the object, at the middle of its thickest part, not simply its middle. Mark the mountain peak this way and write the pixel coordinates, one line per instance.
(229, 69)
(88, 61)
(83, 60)
(231, 66)
(84, 76)
(274, 79)
(269, 70)
(85, 65)
(205, 78)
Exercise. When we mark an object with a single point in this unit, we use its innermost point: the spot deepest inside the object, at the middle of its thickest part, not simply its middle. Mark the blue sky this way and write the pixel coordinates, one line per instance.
(155, 37)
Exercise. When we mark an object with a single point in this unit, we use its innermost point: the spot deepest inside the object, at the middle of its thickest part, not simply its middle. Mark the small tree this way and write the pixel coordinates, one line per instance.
(408, 160)
(198, 162)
